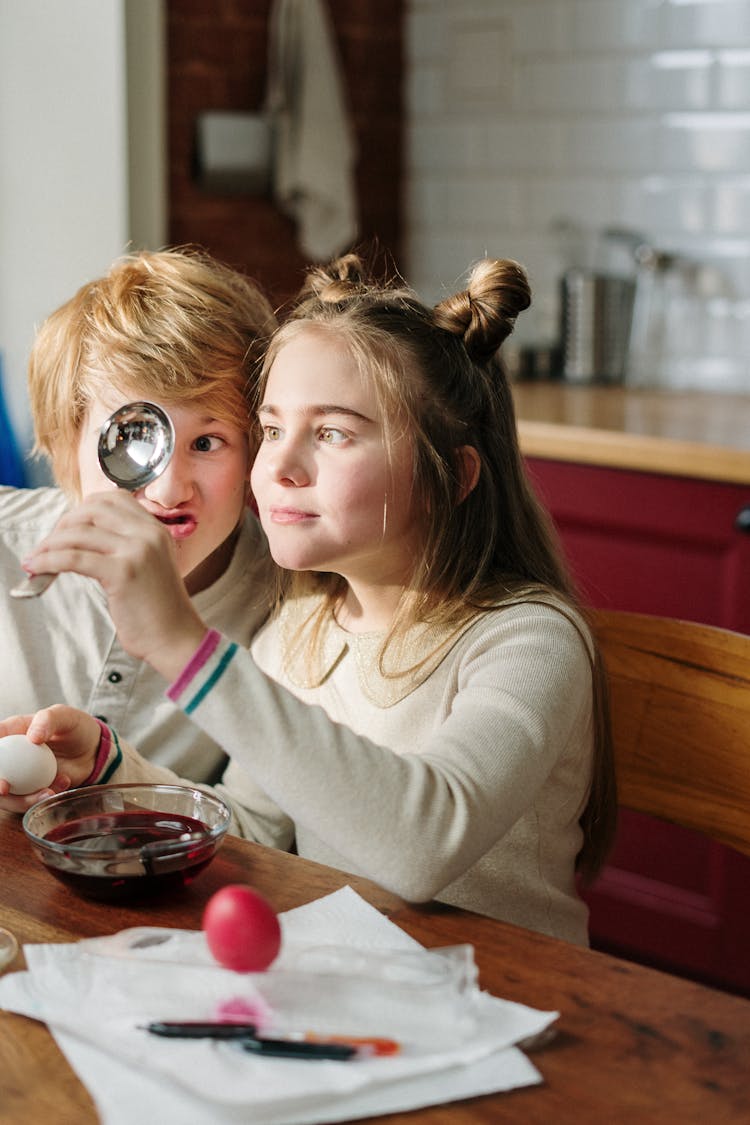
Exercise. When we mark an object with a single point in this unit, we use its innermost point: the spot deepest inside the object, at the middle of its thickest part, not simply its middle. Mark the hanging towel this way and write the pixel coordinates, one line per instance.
(314, 150)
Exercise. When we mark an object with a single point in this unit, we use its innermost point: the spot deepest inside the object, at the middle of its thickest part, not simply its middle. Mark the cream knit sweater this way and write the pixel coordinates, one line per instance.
(463, 781)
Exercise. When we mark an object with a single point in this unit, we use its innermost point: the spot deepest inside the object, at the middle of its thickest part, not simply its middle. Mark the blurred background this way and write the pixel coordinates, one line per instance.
(594, 140)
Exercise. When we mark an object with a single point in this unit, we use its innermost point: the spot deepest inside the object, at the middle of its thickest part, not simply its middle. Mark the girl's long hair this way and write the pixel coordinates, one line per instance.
(439, 378)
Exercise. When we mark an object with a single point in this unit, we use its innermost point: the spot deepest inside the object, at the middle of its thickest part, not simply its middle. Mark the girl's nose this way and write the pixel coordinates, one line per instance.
(287, 463)
(174, 486)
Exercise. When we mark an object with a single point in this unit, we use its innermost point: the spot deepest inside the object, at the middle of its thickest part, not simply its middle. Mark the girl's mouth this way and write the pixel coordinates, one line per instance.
(290, 515)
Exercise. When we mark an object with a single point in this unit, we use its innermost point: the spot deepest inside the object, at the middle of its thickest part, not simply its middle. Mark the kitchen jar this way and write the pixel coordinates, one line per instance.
(596, 311)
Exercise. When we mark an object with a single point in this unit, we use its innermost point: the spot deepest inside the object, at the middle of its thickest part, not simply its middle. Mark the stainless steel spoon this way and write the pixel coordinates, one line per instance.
(135, 445)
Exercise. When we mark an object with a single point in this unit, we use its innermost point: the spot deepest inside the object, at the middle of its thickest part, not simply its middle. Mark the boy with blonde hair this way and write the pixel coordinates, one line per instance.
(187, 332)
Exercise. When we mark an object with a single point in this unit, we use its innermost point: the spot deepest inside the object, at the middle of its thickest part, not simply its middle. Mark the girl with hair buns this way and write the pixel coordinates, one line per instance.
(426, 705)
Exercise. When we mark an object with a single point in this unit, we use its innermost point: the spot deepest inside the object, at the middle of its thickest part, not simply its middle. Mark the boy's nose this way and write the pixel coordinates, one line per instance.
(172, 487)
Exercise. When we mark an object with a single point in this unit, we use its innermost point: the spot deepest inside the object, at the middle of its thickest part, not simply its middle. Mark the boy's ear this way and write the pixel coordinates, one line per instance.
(469, 466)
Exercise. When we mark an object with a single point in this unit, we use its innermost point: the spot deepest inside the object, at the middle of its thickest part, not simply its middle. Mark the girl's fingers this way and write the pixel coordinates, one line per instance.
(19, 803)
(15, 724)
(104, 523)
(96, 550)
(65, 729)
(73, 736)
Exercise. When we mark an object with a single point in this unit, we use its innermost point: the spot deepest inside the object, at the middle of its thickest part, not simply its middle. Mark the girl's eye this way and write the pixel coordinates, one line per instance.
(271, 433)
(207, 444)
(329, 435)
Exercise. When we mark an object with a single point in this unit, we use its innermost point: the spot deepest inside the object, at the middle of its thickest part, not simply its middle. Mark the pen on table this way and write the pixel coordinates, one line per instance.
(300, 1049)
(309, 1045)
(197, 1029)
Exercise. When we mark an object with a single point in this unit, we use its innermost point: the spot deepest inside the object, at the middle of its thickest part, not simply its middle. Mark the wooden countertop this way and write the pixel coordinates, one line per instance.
(691, 434)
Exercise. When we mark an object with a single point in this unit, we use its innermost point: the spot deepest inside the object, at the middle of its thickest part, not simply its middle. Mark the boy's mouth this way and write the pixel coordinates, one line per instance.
(180, 527)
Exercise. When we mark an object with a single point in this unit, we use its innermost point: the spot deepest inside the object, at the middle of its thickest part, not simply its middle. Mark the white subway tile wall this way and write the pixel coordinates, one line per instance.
(602, 113)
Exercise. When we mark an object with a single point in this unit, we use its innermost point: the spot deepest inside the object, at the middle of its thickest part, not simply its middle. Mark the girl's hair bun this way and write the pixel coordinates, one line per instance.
(484, 314)
(337, 280)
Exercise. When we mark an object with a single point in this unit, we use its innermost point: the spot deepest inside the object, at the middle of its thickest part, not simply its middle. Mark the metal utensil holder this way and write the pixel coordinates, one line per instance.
(596, 312)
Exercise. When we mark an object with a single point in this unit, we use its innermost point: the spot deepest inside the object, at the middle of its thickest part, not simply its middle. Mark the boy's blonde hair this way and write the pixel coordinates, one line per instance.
(174, 325)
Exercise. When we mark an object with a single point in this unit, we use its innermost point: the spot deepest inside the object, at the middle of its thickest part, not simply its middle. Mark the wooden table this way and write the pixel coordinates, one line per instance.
(631, 1044)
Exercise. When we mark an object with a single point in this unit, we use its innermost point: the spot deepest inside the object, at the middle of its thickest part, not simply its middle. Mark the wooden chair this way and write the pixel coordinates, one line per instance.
(680, 695)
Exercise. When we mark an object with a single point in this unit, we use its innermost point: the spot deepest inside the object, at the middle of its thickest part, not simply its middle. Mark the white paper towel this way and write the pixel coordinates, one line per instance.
(96, 995)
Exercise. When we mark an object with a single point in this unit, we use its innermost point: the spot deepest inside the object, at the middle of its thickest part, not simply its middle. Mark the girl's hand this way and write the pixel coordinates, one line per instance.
(72, 735)
(111, 538)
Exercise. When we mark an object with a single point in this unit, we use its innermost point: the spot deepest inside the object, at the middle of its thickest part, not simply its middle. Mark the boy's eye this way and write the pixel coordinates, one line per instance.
(206, 443)
(271, 433)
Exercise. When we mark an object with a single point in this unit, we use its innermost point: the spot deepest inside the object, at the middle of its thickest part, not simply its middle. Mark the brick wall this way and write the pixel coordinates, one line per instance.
(217, 61)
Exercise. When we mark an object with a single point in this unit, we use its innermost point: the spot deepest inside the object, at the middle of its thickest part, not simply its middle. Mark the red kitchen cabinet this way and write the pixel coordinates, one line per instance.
(680, 548)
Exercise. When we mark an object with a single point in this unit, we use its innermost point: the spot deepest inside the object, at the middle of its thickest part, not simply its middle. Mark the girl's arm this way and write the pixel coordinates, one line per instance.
(413, 822)
(254, 815)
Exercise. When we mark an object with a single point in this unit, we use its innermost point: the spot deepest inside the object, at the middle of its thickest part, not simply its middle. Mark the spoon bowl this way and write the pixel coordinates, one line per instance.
(135, 447)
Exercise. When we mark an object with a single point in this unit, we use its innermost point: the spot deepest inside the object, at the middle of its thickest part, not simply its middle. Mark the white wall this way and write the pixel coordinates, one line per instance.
(625, 112)
(64, 200)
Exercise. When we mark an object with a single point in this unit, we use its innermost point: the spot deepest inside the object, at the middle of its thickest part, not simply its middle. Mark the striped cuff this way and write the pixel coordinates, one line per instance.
(204, 670)
(103, 768)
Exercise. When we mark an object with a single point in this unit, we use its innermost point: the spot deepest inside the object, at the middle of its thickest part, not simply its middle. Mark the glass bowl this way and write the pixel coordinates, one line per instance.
(116, 842)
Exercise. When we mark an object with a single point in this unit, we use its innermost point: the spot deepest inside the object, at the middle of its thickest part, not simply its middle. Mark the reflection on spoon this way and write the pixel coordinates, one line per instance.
(135, 445)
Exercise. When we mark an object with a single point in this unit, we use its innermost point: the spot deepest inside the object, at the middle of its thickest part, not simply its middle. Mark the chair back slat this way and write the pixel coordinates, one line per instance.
(680, 697)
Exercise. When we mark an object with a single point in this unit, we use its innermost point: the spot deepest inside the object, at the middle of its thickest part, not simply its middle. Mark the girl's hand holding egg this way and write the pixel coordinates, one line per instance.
(26, 766)
(64, 738)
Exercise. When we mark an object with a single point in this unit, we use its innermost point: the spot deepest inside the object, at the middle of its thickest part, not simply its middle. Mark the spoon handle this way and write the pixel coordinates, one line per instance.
(8, 948)
(33, 585)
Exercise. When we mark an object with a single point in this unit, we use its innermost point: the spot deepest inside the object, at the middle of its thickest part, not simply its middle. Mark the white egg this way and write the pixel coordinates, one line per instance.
(25, 765)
